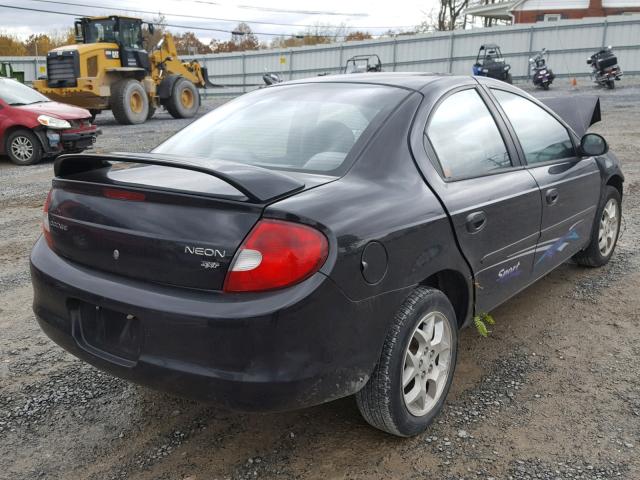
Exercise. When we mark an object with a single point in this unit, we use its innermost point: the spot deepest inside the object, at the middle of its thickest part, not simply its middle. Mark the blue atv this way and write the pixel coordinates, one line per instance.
(490, 63)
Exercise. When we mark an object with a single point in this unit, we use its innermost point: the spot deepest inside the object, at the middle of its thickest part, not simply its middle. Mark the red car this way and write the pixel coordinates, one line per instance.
(33, 127)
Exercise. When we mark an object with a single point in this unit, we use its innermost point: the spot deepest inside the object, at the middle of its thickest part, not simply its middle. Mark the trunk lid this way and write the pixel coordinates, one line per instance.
(157, 222)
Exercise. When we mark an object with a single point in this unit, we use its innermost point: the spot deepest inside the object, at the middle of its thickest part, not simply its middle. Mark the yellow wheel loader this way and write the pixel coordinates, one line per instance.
(108, 69)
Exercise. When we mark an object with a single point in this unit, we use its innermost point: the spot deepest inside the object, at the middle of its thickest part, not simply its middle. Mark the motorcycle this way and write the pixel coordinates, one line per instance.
(605, 69)
(271, 79)
(542, 75)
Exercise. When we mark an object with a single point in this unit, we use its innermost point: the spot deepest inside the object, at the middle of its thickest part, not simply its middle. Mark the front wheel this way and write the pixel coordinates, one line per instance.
(24, 148)
(129, 102)
(604, 235)
(409, 384)
(611, 84)
(509, 79)
(185, 99)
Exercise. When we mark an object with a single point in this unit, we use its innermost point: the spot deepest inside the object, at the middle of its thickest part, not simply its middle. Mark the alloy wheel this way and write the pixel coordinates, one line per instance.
(427, 364)
(22, 148)
(608, 231)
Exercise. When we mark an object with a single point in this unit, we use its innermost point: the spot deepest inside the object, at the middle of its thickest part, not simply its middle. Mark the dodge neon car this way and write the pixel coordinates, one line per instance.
(322, 238)
(33, 127)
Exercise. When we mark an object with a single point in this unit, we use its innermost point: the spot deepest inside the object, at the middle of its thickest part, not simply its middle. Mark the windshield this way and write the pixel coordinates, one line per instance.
(130, 34)
(357, 66)
(15, 93)
(100, 31)
(309, 127)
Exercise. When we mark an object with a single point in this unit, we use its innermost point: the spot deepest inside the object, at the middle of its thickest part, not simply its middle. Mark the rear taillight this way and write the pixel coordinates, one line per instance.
(276, 254)
(46, 230)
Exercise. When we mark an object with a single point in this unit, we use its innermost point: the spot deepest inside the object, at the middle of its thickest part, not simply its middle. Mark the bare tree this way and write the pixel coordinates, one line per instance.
(450, 14)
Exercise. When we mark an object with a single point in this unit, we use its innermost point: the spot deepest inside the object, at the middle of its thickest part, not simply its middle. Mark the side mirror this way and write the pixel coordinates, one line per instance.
(593, 145)
(589, 61)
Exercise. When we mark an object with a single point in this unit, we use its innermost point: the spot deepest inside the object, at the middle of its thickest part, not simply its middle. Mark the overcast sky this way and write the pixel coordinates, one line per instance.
(359, 13)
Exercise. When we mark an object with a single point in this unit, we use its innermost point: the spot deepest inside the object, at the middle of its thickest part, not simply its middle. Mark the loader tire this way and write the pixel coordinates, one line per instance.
(129, 102)
(184, 101)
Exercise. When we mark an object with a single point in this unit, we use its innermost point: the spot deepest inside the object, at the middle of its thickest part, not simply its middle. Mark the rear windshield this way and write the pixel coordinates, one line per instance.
(309, 127)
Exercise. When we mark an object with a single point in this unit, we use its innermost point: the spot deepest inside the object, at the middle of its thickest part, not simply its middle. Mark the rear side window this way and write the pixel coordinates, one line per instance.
(541, 136)
(466, 138)
(309, 127)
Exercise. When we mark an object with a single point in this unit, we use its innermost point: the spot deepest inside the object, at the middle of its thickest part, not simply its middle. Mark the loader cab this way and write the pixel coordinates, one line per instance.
(123, 31)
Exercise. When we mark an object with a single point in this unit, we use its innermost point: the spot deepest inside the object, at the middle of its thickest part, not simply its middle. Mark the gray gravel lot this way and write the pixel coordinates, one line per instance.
(554, 393)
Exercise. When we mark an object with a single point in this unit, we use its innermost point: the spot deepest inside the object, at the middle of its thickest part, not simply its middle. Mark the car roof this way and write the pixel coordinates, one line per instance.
(410, 80)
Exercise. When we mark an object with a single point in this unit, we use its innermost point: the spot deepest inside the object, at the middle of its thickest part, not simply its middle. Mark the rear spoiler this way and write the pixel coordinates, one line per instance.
(579, 111)
(258, 184)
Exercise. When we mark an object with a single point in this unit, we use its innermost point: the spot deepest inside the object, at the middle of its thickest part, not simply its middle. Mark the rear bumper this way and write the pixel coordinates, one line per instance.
(260, 352)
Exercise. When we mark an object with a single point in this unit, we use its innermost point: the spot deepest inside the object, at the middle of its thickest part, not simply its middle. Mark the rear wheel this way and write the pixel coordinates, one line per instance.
(129, 102)
(24, 148)
(604, 235)
(408, 386)
(611, 84)
(185, 99)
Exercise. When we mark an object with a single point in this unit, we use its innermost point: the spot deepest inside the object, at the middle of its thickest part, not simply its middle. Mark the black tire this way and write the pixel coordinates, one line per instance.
(545, 86)
(381, 402)
(509, 79)
(184, 101)
(23, 147)
(592, 256)
(129, 102)
(611, 84)
(94, 113)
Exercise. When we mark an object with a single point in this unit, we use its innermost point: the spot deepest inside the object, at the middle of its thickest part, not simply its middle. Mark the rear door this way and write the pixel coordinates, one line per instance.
(494, 203)
(569, 185)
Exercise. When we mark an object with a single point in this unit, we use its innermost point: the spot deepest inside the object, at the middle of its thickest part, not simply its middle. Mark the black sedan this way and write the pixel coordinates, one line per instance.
(322, 238)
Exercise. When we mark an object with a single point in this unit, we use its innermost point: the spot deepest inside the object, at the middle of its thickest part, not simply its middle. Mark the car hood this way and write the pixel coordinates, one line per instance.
(55, 109)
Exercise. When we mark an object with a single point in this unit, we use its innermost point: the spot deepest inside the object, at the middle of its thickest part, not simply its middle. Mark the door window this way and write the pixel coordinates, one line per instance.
(465, 137)
(542, 137)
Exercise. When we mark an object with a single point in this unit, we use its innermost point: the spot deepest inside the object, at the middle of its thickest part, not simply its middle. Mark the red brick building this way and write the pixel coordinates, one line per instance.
(531, 11)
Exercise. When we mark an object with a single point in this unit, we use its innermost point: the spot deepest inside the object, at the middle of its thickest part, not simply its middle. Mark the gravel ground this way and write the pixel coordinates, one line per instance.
(552, 394)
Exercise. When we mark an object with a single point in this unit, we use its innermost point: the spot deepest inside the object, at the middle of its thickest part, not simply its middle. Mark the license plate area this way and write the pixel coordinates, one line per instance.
(112, 335)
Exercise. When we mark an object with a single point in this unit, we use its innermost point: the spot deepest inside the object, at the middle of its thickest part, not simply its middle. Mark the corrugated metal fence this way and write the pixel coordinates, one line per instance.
(569, 43)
